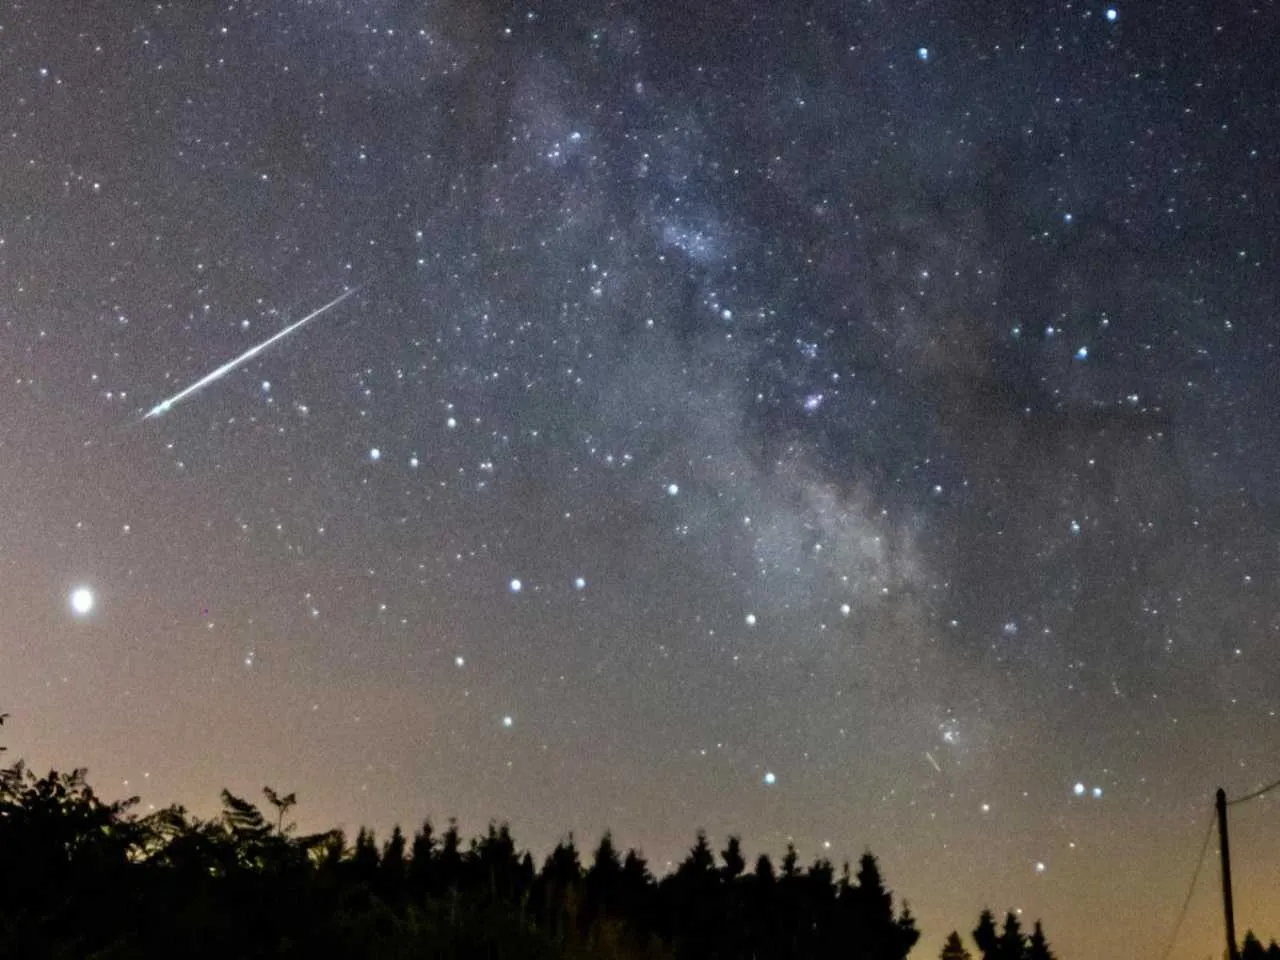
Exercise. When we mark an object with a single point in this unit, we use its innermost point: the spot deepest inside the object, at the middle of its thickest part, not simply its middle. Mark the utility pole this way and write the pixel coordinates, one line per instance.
(1224, 851)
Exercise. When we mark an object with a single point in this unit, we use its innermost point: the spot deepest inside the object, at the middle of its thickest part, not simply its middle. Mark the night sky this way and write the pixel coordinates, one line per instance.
(846, 422)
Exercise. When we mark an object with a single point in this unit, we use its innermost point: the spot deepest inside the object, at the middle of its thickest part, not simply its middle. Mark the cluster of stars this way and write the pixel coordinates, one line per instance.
(871, 419)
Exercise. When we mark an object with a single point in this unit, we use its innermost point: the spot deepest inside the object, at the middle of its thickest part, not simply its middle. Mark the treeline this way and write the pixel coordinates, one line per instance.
(1252, 949)
(84, 878)
(1009, 943)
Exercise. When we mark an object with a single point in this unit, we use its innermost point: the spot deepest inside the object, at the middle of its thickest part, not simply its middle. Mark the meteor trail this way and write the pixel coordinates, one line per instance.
(164, 406)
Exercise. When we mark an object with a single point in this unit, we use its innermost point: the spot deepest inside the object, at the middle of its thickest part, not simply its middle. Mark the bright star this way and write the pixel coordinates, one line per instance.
(1078, 789)
(516, 586)
(923, 53)
(672, 489)
(82, 601)
(770, 779)
(1112, 14)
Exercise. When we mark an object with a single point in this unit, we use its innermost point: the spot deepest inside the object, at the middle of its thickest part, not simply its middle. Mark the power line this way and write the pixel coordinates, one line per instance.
(1191, 889)
(1253, 796)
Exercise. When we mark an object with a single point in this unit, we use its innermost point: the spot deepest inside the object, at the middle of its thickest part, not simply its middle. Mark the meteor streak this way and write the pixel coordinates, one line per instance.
(164, 406)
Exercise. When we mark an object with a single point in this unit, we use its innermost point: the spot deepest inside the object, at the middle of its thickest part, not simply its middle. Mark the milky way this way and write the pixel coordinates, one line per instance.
(852, 424)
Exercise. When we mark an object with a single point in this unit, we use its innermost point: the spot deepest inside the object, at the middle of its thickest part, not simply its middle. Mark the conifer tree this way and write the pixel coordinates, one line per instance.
(1013, 942)
(734, 862)
(790, 863)
(701, 861)
(954, 949)
(450, 857)
(393, 866)
(1038, 946)
(986, 936)
(364, 858)
(422, 853)
(604, 878)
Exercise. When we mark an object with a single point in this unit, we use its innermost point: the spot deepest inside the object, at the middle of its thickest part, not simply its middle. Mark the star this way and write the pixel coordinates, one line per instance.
(82, 601)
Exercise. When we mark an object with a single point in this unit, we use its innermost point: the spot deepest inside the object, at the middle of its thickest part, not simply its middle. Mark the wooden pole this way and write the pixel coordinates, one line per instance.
(1224, 851)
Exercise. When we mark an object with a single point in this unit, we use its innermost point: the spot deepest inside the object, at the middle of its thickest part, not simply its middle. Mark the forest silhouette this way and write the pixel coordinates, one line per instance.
(81, 877)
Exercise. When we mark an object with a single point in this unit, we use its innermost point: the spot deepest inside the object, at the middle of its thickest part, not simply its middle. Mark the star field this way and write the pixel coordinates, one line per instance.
(849, 424)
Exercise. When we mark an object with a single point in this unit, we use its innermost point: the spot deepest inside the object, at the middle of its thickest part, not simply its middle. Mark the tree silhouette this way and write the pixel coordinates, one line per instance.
(734, 862)
(1012, 944)
(954, 949)
(1008, 944)
(604, 879)
(282, 805)
(1038, 946)
(986, 936)
(392, 867)
(422, 873)
(764, 870)
(80, 877)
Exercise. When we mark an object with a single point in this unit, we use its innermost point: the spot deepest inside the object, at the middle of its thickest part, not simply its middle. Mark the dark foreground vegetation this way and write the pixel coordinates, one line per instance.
(83, 878)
